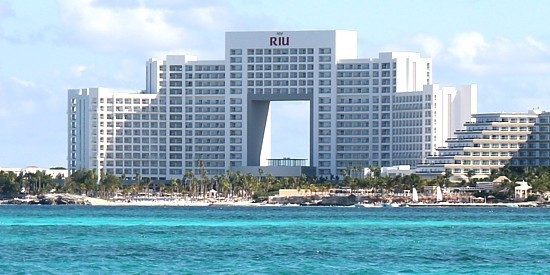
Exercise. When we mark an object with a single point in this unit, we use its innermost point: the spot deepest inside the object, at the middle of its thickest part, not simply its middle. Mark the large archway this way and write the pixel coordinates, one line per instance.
(259, 128)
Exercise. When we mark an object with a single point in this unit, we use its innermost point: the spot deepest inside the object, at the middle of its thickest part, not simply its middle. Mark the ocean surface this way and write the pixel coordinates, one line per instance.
(273, 240)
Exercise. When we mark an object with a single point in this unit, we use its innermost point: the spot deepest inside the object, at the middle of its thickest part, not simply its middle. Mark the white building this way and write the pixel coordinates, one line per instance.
(364, 112)
(491, 141)
(522, 191)
(53, 172)
(394, 171)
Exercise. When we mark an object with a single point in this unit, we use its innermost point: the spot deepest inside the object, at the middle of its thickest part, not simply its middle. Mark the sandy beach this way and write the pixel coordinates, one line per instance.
(169, 201)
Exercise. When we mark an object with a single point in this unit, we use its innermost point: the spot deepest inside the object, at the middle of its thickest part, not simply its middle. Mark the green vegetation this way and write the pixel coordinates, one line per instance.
(237, 184)
(8, 184)
(36, 183)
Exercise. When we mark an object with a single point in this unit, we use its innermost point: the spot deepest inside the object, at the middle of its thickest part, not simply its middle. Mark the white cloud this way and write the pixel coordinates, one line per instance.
(469, 54)
(430, 45)
(78, 70)
(209, 17)
(20, 96)
(127, 27)
(22, 83)
(511, 73)
(527, 55)
(5, 10)
(117, 29)
(538, 45)
(465, 47)
(426, 44)
(518, 94)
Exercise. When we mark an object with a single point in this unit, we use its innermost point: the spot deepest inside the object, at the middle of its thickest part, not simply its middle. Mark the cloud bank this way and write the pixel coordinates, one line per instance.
(142, 26)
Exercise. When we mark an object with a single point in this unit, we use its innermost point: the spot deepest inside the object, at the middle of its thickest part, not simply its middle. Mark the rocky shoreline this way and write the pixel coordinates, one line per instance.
(50, 199)
(72, 199)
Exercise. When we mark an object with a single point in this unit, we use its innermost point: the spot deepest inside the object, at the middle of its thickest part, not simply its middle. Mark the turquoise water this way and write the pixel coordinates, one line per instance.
(273, 240)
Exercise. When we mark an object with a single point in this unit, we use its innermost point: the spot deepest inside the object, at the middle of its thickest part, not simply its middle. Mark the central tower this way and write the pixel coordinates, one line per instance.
(283, 66)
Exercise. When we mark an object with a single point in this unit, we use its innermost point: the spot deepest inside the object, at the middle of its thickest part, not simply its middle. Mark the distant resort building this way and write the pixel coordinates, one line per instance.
(492, 141)
(215, 114)
(394, 171)
(53, 172)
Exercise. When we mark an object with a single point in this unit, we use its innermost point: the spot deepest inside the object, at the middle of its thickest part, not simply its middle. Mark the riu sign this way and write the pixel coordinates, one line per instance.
(278, 40)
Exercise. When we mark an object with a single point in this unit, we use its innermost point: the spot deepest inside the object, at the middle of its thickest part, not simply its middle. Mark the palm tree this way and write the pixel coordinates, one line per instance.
(135, 189)
(83, 189)
(38, 176)
(244, 184)
(188, 182)
(195, 187)
(127, 190)
(374, 171)
(344, 174)
(138, 177)
(285, 183)
(69, 185)
(147, 183)
(204, 178)
(260, 173)
(224, 185)
(179, 187)
(230, 177)
(161, 188)
(90, 182)
(312, 189)
(142, 187)
(173, 184)
(30, 183)
(109, 184)
(102, 186)
(292, 182)
(303, 179)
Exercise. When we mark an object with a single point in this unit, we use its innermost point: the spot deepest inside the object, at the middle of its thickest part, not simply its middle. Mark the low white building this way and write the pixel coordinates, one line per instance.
(522, 191)
(54, 173)
(394, 171)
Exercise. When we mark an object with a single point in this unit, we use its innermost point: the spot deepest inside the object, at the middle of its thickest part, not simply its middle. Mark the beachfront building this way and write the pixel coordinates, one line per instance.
(394, 171)
(490, 142)
(55, 173)
(536, 150)
(215, 114)
(522, 191)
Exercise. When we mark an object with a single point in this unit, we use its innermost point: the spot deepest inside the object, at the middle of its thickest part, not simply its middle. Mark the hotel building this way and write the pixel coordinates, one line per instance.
(492, 141)
(364, 112)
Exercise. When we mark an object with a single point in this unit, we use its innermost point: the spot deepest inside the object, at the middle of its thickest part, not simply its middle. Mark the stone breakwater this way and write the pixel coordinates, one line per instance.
(51, 199)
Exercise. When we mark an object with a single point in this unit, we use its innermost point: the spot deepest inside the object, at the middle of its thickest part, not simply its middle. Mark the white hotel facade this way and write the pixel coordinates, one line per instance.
(364, 112)
(489, 142)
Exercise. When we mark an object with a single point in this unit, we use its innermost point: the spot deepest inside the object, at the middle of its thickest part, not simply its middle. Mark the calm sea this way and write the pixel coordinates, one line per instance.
(273, 240)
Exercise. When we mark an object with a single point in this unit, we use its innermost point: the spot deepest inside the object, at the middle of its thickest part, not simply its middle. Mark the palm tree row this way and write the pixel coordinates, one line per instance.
(35, 183)
(247, 186)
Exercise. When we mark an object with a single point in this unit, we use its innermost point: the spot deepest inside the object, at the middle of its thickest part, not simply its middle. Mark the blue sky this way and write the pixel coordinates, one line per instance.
(47, 47)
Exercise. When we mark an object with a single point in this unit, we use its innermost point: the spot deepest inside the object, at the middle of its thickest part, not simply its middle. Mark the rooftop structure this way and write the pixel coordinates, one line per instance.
(287, 162)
